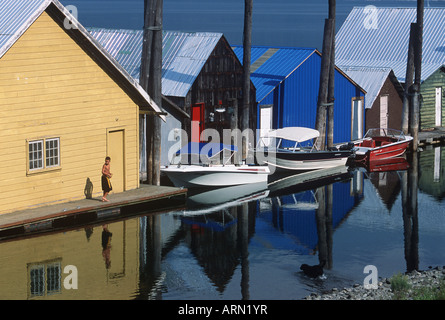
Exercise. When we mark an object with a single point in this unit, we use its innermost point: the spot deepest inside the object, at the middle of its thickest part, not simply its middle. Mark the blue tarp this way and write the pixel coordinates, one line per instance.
(204, 148)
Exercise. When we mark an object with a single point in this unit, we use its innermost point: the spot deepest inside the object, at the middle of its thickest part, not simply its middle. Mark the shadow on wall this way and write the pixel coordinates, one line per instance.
(88, 191)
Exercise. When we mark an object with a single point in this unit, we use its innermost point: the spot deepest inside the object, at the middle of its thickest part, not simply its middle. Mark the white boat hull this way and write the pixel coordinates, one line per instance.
(215, 176)
(307, 165)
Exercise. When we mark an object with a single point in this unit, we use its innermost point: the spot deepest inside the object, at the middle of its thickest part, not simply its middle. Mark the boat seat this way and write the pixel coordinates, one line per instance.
(368, 143)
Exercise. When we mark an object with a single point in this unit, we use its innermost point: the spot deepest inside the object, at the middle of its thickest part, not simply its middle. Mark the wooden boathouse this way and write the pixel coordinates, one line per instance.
(385, 45)
(65, 104)
(384, 96)
(200, 74)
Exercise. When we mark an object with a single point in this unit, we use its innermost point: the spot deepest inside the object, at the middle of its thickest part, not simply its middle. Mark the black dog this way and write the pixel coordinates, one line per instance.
(313, 271)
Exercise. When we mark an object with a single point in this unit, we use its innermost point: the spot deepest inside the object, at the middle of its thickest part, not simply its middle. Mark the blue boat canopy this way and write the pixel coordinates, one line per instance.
(209, 149)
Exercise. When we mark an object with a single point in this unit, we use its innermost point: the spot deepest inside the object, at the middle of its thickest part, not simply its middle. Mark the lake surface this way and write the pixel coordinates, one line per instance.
(244, 243)
(274, 23)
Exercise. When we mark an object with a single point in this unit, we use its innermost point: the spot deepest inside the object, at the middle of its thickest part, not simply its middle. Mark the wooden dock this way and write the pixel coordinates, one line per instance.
(430, 137)
(144, 200)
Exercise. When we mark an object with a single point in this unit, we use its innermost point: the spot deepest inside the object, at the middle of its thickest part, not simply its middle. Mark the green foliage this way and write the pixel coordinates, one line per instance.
(399, 283)
(430, 293)
(402, 289)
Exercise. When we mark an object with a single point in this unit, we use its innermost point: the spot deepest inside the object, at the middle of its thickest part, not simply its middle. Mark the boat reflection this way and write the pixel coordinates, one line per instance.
(385, 165)
(213, 199)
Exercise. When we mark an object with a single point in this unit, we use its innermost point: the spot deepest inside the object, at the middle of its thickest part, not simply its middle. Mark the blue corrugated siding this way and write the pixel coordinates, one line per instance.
(295, 99)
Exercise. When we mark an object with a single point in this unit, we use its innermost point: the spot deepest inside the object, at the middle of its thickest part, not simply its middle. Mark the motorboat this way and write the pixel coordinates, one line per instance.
(380, 144)
(204, 167)
(294, 149)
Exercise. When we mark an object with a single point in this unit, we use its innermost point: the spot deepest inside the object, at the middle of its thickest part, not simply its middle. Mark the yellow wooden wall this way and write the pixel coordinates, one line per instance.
(49, 87)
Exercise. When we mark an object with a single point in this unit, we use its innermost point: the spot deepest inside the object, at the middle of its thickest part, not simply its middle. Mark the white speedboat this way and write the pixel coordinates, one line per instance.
(292, 148)
(208, 172)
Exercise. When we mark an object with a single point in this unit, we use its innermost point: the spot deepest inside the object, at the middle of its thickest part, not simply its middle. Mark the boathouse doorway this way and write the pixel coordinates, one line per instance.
(197, 127)
(115, 150)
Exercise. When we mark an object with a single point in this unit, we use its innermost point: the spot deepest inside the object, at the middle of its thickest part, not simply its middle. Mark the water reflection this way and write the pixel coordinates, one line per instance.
(244, 243)
(432, 172)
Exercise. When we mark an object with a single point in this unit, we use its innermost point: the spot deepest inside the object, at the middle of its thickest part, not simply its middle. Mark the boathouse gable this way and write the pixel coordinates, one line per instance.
(64, 106)
(287, 80)
(432, 90)
(384, 96)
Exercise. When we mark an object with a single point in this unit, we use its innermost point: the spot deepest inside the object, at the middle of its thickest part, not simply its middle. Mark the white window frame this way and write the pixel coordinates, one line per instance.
(43, 154)
(35, 155)
(52, 153)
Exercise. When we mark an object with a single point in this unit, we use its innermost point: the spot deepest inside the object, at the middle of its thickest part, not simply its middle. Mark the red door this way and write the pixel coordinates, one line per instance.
(197, 121)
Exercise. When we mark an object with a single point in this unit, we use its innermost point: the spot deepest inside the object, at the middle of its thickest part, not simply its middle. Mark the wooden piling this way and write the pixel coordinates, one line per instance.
(156, 92)
(144, 77)
(408, 80)
(320, 121)
(247, 43)
(331, 85)
(418, 75)
(150, 80)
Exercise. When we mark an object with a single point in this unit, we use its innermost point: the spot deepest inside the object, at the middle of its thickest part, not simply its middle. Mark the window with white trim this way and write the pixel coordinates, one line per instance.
(52, 152)
(35, 154)
(43, 154)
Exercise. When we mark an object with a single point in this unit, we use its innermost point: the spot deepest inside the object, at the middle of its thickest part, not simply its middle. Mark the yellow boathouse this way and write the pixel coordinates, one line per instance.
(65, 104)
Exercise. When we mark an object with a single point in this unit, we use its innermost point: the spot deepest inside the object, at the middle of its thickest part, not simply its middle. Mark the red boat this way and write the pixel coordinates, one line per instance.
(380, 144)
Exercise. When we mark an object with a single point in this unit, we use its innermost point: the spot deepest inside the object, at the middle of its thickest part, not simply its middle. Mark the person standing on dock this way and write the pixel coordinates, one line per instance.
(106, 176)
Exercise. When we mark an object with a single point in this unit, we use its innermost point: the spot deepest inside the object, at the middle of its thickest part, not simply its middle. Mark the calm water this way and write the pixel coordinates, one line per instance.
(220, 248)
(274, 23)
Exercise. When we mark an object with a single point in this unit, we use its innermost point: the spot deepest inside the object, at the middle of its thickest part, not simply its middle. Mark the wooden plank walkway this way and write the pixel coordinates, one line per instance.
(44, 217)
(431, 137)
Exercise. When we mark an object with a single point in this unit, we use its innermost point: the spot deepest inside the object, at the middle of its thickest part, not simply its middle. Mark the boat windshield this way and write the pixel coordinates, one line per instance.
(205, 153)
(290, 139)
(383, 132)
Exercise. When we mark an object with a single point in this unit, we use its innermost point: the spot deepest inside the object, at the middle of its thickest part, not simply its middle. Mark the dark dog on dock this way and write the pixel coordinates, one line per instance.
(313, 271)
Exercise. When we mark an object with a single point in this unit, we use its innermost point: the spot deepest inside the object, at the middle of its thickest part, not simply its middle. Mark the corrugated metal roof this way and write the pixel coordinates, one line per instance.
(386, 45)
(183, 55)
(371, 79)
(16, 16)
(274, 66)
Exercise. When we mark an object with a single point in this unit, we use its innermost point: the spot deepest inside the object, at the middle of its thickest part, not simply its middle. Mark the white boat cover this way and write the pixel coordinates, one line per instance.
(298, 134)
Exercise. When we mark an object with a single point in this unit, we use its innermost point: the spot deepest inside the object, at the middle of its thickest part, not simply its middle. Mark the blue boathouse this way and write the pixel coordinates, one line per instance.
(287, 82)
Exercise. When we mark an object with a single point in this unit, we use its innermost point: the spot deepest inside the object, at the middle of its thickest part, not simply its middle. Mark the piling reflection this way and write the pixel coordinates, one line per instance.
(410, 214)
